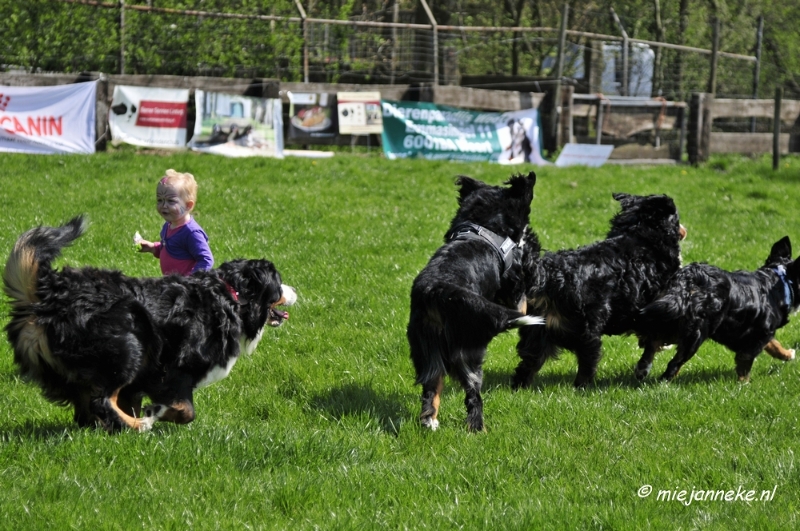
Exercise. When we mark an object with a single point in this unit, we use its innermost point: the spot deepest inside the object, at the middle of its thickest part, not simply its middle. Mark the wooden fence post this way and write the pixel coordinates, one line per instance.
(708, 121)
(776, 130)
(695, 129)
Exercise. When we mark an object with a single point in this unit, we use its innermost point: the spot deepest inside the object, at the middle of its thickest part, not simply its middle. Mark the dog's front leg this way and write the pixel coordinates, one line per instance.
(651, 348)
(179, 412)
(776, 350)
(589, 356)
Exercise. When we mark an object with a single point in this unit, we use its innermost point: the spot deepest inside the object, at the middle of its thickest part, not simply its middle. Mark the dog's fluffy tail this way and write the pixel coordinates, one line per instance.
(528, 320)
(35, 249)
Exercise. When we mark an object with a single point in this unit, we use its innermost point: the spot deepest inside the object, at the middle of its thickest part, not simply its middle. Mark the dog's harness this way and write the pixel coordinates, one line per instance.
(502, 247)
(788, 294)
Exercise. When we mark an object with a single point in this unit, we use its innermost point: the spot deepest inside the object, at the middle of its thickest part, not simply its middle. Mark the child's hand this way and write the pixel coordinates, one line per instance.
(146, 246)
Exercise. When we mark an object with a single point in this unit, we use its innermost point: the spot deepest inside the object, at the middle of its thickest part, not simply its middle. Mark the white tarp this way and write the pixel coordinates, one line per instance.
(591, 155)
(58, 119)
(238, 126)
(150, 117)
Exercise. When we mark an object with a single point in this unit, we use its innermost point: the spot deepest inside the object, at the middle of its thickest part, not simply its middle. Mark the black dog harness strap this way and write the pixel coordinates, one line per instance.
(502, 247)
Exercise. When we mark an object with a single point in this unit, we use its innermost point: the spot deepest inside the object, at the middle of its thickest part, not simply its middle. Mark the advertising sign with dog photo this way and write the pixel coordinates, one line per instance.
(48, 120)
(439, 132)
(359, 113)
(149, 117)
(312, 116)
(238, 126)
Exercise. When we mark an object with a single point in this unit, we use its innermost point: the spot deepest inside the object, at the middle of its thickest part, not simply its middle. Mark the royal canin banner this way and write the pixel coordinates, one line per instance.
(58, 119)
(150, 117)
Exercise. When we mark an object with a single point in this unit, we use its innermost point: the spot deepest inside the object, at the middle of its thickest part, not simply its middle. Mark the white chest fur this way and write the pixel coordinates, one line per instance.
(217, 373)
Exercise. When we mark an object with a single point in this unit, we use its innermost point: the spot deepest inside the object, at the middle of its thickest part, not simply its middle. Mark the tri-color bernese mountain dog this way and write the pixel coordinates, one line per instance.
(740, 310)
(101, 341)
(600, 288)
(470, 291)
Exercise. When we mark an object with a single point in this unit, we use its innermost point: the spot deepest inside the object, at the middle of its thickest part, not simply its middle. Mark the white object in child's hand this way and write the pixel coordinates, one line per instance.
(137, 238)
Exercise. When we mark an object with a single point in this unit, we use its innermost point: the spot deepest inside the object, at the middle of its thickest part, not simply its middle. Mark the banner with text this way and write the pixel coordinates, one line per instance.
(437, 132)
(150, 117)
(238, 126)
(58, 119)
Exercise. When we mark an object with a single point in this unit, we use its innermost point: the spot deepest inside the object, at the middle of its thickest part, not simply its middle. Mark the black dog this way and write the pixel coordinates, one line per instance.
(467, 293)
(100, 341)
(740, 310)
(600, 288)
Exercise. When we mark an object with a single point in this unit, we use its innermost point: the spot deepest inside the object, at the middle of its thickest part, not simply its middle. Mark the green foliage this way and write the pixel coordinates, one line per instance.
(52, 35)
(317, 429)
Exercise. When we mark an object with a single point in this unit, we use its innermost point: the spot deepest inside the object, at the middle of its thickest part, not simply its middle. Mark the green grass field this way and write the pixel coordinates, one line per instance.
(317, 429)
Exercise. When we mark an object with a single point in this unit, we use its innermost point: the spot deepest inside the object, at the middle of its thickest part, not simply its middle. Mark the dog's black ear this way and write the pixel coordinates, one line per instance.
(781, 252)
(468, 185)
(522, 185)
(624, 199)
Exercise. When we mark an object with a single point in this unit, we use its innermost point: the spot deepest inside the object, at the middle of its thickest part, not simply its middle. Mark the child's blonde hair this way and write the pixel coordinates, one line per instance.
(183, 182)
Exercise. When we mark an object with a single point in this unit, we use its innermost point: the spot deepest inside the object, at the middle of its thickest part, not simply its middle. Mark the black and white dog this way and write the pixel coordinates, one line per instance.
(598, 289)
(740, 310)
(101, 341)
(470, 291)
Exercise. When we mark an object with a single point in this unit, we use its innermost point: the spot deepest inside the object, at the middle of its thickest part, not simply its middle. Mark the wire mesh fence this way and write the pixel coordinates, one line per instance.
(396, 42)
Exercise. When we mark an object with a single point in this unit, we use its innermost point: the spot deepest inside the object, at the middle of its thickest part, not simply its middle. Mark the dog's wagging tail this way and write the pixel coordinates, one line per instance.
(100, 341)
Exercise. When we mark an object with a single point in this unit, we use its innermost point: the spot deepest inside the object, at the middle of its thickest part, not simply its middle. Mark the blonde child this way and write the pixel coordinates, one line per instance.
(183, 248)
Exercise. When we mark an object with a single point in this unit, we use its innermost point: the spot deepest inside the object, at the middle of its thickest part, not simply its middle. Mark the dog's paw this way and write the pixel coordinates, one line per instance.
(431, 423)
(146, 424)
(641, 372)
(154, 411)
(791, 355)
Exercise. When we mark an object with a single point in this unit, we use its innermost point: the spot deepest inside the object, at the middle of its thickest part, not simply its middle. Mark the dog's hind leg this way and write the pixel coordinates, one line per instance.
(431, 397)
(470, 374)
(687, 347)
(776, 350)
(533, 349)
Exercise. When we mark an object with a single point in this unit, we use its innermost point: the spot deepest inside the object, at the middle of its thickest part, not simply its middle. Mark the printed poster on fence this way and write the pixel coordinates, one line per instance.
(439, 132)
(312, 116)
(359, 113)
(238, 126)
(150, 117)
(48, 120)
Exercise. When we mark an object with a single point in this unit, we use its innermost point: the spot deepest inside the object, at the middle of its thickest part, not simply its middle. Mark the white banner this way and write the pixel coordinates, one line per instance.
(151, 117)
(58, 119)
(238, 126)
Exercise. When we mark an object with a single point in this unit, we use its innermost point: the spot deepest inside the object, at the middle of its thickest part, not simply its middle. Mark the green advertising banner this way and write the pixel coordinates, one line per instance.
(437, 132)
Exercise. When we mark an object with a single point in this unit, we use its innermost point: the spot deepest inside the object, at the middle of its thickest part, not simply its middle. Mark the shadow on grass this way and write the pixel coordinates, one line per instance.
(548, 380)
(37, 432)
(359, 399)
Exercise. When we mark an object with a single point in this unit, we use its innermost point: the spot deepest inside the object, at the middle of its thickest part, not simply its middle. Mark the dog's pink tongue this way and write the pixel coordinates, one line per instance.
(283, 315)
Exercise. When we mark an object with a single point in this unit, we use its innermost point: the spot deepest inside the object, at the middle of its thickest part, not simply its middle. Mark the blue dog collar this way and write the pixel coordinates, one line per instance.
(787, 285)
